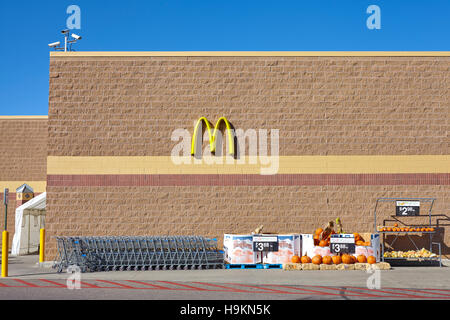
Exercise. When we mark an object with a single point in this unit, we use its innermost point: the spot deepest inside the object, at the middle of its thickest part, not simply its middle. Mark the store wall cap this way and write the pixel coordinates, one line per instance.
(250, 54)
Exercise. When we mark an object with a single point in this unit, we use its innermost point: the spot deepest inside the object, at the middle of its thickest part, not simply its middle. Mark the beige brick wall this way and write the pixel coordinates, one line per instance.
(23, 145)
(213, 211)
(322, 105)
(23, 158)
(129, 106)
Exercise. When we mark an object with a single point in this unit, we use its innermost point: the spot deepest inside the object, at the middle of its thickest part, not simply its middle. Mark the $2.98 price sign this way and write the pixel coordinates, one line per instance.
(265, 243)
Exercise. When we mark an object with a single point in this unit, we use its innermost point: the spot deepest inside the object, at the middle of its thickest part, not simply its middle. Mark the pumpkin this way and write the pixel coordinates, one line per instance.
(318, 231)
(432, 229)
(305, 259)
(395, 224)
(295, 259)
(336, 259)
(353, 259)
(346, 259)
(359, 243)
(323, 243)
(327, 260)
(357, 236)
(371, 259)
(389, 229)
(362, 258)
(317, 259)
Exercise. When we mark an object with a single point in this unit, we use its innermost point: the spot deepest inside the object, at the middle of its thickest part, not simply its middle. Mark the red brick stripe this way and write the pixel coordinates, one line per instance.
(247, 179)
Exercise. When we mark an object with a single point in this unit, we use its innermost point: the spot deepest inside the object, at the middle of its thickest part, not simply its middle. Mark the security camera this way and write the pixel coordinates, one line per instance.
(65, 31)
(54, 44)
(76, 37)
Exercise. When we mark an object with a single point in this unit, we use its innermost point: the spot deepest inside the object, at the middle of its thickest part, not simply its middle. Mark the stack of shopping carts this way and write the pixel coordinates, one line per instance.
(138, 253)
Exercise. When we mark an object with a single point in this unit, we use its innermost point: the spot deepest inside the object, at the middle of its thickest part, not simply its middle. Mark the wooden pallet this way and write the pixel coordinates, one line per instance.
(254, 266)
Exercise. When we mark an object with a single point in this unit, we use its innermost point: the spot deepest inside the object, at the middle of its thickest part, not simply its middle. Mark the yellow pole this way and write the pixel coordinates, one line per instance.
(5, 238)
(42, 245)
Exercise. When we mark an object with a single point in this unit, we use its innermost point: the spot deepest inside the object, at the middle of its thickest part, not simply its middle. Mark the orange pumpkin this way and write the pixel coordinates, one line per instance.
(371, 259)
(327, 260)
(317, 259)
(295, 259)
(362, 258)
(346, 259)
(432, 229)
(318, 231)
(395, 224)
(305, 259)
(359, 243)
(336, 259)
(323, 243)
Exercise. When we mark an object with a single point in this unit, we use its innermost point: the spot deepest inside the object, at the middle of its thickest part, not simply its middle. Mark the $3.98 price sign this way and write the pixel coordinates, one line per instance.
(342, 247)
(342, 244)
(265, 243)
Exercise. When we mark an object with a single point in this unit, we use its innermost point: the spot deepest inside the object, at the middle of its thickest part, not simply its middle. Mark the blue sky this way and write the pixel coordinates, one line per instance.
(26, 27)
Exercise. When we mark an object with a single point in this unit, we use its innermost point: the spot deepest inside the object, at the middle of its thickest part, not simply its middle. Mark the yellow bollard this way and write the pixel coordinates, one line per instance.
(42, 246)
(5, 238)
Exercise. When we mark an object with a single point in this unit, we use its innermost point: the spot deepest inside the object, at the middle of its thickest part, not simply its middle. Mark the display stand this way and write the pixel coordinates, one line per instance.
(402, 233)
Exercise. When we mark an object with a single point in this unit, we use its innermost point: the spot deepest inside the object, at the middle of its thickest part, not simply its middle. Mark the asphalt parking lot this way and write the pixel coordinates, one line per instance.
(28, 280)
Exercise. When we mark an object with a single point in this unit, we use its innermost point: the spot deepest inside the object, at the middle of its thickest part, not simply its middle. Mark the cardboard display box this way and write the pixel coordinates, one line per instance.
(238, 249)
(308, 247)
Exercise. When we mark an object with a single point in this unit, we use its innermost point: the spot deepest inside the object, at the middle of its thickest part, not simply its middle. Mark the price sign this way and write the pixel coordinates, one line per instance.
(407, 208)
(265, 243)
(342, 243)
(342, 247)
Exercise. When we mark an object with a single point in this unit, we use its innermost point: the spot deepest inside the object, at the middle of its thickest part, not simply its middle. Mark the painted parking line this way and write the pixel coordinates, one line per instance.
(185, 286)
(118, 285)
(262, 288)
(151, 285)
(28, 284)
(230, 289)
(57, 284)
(309, 291)
(424, 291)
(398, 293)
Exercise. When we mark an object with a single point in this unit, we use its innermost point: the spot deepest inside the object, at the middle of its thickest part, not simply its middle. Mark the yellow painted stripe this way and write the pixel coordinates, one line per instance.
(38, 186)
(252, 54)
(22, 117)
(287, 164)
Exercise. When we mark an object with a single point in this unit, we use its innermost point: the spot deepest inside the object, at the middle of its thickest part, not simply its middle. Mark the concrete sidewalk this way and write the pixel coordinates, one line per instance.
(27, 267)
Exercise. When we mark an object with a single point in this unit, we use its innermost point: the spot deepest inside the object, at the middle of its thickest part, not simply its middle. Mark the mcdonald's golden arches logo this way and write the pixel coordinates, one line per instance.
(213, 136)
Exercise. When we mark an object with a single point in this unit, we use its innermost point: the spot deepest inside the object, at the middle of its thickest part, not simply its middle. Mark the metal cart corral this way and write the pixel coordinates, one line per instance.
(408, 234)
